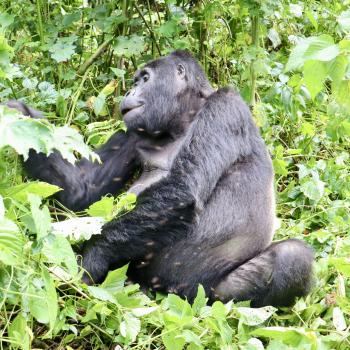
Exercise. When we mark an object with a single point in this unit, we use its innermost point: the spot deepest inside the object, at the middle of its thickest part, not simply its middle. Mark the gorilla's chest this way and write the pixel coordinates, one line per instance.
(157, 159)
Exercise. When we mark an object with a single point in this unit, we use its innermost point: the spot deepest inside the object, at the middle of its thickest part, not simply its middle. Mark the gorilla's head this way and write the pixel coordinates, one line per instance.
(166, 95)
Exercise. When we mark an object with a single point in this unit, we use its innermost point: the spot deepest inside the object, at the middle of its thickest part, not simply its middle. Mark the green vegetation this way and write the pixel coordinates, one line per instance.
(74, 60)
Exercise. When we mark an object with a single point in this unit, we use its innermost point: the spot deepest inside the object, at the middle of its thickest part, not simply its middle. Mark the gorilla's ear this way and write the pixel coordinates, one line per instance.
(181, 71)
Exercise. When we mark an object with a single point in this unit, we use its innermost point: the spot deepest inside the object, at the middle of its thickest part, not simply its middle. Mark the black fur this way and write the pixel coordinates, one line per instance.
(205, 208)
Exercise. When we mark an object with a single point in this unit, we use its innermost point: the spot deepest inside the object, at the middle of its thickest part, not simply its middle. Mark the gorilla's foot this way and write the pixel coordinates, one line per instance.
(275, 277)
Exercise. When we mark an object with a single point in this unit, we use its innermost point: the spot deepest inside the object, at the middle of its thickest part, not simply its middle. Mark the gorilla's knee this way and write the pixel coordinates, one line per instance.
(277, 276)
(292, 273)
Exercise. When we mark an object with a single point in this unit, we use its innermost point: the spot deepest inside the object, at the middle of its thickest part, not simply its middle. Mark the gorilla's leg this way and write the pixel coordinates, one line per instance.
(275, 277)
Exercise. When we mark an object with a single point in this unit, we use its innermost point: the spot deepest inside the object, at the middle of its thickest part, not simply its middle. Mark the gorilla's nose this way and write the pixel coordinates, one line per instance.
(129, 103)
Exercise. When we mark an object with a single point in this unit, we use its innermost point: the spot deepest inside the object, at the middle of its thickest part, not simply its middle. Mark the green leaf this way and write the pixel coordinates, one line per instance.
(62, 50)
(339, 319)
(11, 243)
(341, 264)
(321, 48)
(6, 51)
(291, 336)
(344, 20)
(20, 192)
(102, 208)
(191, 337)
(313, 189)
(57, 250)
(315, 73)
(23, 133)
(172, 341)
(336, 71)
(254, 317)
(19, 332)
(200, 300)
(77, 229)
(296, 58)
(42, 299)
(101, 294)
(2, 209)
(115, 280)
(70, 18)
(41, 217)
(274, 38)
(128, 46)
(130, 327)
(118, 72)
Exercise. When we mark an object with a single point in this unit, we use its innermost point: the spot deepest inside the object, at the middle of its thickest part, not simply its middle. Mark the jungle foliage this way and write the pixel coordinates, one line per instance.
(74, 60)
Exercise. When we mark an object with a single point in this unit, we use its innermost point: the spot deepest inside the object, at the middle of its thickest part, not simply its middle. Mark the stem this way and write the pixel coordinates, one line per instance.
(255, 38)
(149, 29)
(40, 21)
(94, 57)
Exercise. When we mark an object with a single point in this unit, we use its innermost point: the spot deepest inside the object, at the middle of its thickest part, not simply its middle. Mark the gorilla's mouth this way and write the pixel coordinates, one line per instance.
(126, 110)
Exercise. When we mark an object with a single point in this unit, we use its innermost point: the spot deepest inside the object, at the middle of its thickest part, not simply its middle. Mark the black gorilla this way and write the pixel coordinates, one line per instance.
(205, 208)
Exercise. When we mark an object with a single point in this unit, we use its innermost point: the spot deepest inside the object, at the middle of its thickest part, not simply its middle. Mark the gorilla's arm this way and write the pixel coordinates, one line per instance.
(222, 134)
(86, 182)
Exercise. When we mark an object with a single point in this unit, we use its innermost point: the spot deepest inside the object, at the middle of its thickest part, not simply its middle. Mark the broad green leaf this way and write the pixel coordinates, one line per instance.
(218, 310)
(280, 166)
(50, 298)
(102, 208)
(77, 229)
(42, 299)
(342, 265)
(143, 311)
(6, 51)
(274, 37)
(179, 310)
(128, 46)
(254, 317)
(2, 209)
(62, 50)
(20, 192)
(321, 48)
(315, 73)
(41, 217)
(336, 70)
(11, 243)
(291, 336)
(169, 28)
(19, 332)
(339, 319)
(23, 133)
(172, 341)
(57, 250)
(296, 58)
(200, 300)
(313, 189)
(6, 19)
(101, 294)
(253, 344)
(344, 20)
(342, 94)
(70, 18)
(130, 327)
(118, 72)
(115, 280)
(191, 337)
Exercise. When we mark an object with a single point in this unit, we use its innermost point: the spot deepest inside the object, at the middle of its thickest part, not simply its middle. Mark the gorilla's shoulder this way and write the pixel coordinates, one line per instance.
(225, 93)
(226, 97)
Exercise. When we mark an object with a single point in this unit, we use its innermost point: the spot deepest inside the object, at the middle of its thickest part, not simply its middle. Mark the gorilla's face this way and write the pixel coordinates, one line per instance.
(158, 98)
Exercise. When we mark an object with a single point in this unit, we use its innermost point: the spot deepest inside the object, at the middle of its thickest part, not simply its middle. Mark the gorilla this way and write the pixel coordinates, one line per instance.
(205, 211)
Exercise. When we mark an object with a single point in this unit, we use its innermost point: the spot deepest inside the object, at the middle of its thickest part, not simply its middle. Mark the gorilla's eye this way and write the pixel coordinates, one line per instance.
(145, 77)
